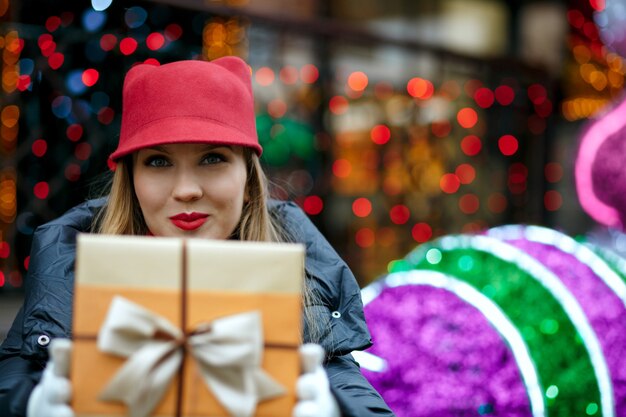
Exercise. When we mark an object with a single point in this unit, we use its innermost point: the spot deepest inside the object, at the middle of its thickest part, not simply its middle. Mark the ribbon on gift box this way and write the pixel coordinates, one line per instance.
(227, 350)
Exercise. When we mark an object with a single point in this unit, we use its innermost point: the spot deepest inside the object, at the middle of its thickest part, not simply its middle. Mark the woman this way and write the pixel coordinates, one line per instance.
(187, 165)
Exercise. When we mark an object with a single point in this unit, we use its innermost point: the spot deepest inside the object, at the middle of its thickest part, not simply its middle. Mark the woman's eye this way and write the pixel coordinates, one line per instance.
(213, 158)
(157, 161)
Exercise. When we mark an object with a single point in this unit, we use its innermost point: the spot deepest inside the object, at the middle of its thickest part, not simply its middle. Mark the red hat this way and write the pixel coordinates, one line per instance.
(188, 101)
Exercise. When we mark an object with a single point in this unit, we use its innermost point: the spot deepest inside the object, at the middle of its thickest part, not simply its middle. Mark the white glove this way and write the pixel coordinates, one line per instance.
(313, 388)
(51, 396)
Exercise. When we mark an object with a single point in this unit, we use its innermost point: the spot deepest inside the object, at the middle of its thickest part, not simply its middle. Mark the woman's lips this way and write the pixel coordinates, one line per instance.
(189, 221)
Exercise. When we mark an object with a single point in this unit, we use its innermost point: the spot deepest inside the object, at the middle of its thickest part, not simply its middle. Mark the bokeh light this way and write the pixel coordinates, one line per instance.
(361, 207)
(358, 81)
(449, 183)
(342, 168)
(309, 74)
(466, 173)
(365, 237)
(128, 46)
(313, 205)
(380, 134)
(552, 200)
(264, 76)
(420, 88)
(399, 214)
(467, 117)
(471, 145)
(421, 232)
(41, 190)
(484, 97)
(469, 203)
(508, 145)
(39, 147)
(504, 95)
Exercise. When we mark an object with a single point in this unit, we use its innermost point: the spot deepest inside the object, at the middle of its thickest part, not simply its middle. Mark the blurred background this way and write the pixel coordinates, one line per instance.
(421, 137)
(390, 123)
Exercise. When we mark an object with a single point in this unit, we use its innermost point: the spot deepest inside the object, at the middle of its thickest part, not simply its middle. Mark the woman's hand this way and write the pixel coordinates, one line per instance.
(313, 388)
(51, 396)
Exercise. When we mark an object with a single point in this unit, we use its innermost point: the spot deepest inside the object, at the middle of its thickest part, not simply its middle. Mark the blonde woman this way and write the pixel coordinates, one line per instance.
(187, 165)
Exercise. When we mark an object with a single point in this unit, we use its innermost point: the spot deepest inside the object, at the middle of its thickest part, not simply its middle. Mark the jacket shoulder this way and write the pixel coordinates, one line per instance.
(336, 303)
(49, 283)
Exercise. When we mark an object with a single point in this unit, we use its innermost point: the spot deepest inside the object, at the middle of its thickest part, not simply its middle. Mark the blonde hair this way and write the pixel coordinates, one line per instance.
(121, 215)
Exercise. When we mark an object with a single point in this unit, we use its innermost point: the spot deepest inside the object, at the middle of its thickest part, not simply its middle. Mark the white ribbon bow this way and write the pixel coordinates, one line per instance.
(227, 350)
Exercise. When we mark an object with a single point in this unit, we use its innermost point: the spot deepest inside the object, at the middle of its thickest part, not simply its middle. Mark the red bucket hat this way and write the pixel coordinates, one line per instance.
(188, 101)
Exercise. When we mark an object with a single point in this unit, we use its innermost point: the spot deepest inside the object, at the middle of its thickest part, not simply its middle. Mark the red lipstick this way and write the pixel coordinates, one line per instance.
(189, 221)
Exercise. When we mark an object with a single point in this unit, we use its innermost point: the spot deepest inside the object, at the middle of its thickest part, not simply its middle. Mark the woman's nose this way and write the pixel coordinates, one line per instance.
(187, 187)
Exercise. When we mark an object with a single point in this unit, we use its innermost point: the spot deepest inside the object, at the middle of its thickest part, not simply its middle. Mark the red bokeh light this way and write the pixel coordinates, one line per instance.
(466, 173)
(420, 88)
(471, 145)
(441, 128)
(23, 82)
(361, 207)
(575, 18)
(364, 237)
(598, 5)
(421, 232)
(90, 77)
(537, 93)
(309, 74)
(505, 95)
(552, 200)
(152, 61)
(289, 74)
(484, 97)
(449, 183)
(380, 134)
(400, 214)
(2, 280)
(128, 46)
(469, 203)
(27, 262)
(155, 41)
(264, 76)
(342, 168)
(508, 145)
(277, 108)
(5, 250)
(39, 147)
(467, 117)
(338, 105)
(173, 31)
(544, 109)
(313, 205)
(56, 60)
(108, 42)
(553, 172)
(41, 190)
(358, 81)
(74, 132)
(82, 151)
(53, 23)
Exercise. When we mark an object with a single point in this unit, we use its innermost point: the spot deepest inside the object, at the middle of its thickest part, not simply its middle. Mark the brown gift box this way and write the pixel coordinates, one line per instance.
(220, 278)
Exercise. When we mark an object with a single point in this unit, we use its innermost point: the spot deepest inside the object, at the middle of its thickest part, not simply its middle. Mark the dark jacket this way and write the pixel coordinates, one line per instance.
(46, 312)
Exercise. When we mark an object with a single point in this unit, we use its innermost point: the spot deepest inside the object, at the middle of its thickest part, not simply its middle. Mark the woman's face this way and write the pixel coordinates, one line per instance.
(191, 190)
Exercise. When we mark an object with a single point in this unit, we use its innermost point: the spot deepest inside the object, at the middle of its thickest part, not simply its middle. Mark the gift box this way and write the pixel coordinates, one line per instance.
(185, 327)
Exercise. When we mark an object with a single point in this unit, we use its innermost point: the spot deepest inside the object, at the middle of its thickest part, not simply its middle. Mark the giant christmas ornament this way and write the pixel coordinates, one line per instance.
(522, 322)
(600, 177)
